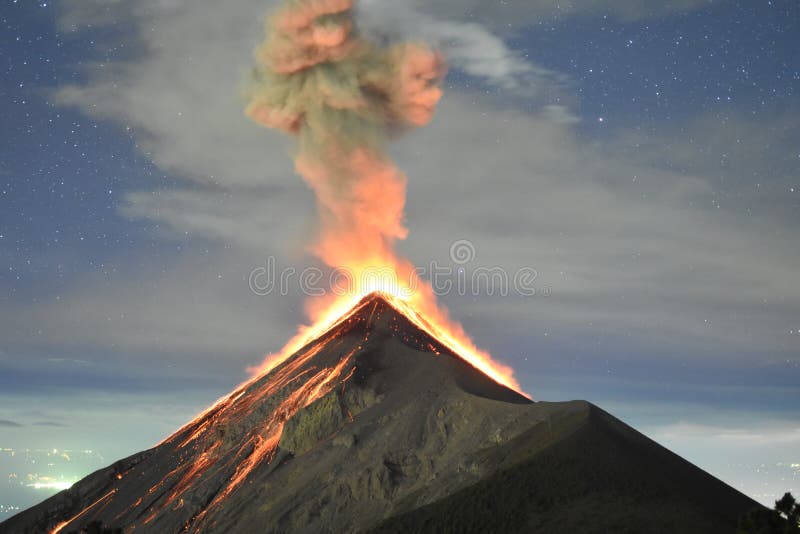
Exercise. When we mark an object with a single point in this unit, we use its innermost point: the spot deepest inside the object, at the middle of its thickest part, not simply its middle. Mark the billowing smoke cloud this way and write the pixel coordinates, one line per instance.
(343, 98)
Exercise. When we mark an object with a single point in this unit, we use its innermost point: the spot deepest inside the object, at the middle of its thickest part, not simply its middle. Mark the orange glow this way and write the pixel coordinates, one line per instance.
(261, 446)
(311, 390)
(203, 453)
(417, 302)
(58, 528)
(286, 386)
(343, 98)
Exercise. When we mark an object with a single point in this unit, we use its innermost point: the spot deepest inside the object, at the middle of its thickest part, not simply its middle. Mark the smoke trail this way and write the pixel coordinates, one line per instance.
(342, 97)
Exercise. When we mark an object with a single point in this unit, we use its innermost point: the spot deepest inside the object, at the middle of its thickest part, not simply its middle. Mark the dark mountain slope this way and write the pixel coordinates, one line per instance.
(599, 476)
(377, 425)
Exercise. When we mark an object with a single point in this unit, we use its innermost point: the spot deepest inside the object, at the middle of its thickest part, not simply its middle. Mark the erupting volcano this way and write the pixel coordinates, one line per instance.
(381, 415)
(376, 425)
(343, 98)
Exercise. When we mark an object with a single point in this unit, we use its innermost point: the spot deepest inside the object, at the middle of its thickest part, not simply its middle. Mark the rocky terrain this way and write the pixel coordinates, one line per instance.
(376, 426)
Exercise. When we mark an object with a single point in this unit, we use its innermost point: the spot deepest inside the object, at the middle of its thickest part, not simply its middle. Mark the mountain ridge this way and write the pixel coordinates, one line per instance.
(376, 425)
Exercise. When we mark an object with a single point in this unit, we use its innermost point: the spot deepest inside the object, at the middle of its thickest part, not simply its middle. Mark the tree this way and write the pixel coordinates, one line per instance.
(789, 509)
(784, 519)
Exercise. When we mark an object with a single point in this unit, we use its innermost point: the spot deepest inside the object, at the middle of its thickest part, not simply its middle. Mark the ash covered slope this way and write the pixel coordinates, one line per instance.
(376, 425)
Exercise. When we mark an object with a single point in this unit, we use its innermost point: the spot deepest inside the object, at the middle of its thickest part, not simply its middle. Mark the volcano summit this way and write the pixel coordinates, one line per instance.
(377, 426)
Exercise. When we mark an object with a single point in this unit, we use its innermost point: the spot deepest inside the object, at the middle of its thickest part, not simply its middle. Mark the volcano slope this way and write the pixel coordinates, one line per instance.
(376, 426)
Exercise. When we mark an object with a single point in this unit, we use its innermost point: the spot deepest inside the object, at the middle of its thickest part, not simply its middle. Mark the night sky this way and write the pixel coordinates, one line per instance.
(645, 161)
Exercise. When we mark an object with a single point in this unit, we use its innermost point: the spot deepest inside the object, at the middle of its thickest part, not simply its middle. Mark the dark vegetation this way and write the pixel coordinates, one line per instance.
(784, 519)
(603, 478)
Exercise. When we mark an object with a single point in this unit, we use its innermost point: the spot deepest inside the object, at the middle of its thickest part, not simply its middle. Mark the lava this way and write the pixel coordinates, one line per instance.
(216, 453)
(421, 308)
(343, 98)
(264, 446)
(105, 498)
(297, 383)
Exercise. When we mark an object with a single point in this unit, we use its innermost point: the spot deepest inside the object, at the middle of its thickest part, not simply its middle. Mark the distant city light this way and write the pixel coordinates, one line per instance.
(58, 485)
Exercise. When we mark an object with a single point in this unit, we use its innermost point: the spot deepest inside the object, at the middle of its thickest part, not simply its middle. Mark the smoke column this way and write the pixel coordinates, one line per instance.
(342, 97)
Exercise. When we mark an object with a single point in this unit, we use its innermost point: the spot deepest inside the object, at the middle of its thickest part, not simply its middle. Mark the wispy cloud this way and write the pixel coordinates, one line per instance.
(518, 14)
(53, 424)
(471, 47)
(630, 244)
(749, 436)
(9, 424)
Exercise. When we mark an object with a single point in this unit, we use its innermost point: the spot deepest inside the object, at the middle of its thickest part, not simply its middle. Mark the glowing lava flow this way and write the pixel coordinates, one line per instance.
(216, 453)
(264, 446)
(295, 385)
(58, 528)
(342, 98)
(418, 306)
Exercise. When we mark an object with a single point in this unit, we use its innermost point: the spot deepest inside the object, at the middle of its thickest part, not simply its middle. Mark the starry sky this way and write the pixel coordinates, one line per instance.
(644, 160)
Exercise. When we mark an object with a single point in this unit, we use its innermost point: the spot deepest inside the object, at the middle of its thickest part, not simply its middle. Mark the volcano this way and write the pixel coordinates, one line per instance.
(376, 426)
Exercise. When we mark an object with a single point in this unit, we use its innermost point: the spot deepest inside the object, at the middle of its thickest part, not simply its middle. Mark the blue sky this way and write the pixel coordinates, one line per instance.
(645, 161)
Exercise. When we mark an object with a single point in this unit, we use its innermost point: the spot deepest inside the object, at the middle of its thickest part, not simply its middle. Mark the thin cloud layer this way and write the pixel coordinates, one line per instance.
(513, 14)
(5, 423)
(627, 245)
(748, 436)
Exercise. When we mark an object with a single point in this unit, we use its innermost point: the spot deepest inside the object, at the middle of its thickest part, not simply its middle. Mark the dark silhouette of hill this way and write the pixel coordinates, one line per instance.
(376, 426)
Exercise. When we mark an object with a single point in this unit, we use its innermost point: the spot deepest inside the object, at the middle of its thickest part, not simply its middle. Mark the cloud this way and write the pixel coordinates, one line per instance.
(200, 305)
(470, 46)
(114, 425)
(731, 436)
(514, 14)
(79, 14)
(5, 423)
(634, 239)
(749, 161)
(69, 361)
(188, 77)
(52, 424)
(623, 228)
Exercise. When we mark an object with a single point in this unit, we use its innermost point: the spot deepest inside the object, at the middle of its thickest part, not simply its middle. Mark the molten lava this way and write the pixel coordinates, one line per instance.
(420, 307)
(374, 416)
(343, 98)
(223, 448)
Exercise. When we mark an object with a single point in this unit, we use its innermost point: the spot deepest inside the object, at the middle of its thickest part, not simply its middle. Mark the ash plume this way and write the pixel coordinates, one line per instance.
(343, 98)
